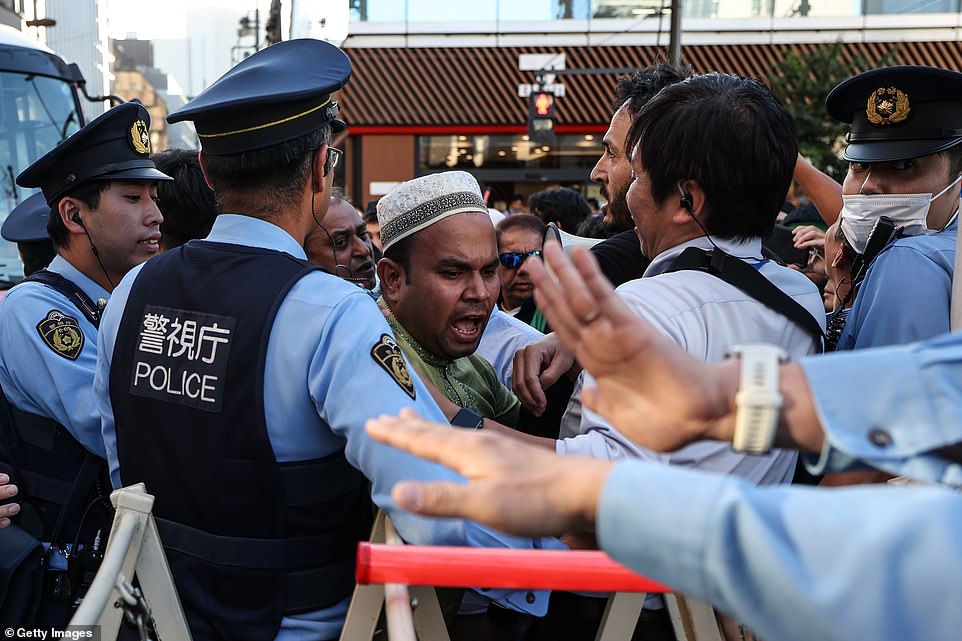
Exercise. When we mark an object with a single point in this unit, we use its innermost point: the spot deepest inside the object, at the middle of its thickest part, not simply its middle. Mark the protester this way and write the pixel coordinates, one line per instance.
(342, 245)
(771, 557)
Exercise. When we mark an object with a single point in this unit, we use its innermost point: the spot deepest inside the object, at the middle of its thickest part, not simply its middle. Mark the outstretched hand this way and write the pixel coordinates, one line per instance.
(512, 487)
(647, 386)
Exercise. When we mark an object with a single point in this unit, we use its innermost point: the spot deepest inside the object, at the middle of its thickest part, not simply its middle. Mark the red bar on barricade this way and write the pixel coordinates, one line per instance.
(440, 566)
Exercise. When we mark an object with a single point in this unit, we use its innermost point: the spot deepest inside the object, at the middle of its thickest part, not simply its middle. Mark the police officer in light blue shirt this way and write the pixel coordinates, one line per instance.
(99, 187)
(235, 378)
(905, 163)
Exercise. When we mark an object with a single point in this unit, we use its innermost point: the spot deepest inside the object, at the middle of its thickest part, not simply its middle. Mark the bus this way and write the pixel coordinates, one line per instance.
(39, 107)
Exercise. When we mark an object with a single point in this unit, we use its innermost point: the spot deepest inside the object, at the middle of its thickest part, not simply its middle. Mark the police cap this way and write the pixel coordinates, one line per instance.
(277, 94)
(899, 113)
(114, 146)
(28, 221)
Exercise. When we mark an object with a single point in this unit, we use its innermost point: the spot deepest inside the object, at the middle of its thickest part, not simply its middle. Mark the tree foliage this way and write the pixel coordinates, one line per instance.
(802, 80)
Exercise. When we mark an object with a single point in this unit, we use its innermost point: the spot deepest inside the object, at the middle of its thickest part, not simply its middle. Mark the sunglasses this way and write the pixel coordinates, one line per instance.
(513, 260)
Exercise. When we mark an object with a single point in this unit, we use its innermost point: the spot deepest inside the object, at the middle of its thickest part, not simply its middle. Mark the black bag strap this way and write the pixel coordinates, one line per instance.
(69, 289)
(86, 479)
(740, 274)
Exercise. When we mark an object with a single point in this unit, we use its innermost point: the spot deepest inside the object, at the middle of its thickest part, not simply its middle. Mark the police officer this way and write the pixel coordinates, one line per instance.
(99, 186)
(235, 378)
(27, 226)
(905, 163)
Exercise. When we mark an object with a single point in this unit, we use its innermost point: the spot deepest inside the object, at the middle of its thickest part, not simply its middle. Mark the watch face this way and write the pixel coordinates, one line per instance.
(467, 418)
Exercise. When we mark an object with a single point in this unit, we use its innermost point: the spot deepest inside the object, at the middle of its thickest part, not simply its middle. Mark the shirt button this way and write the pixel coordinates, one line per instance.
(880, 438)
(529, 597)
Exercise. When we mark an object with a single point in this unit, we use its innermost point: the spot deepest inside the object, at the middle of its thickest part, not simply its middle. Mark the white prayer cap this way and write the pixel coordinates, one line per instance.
(419, 203)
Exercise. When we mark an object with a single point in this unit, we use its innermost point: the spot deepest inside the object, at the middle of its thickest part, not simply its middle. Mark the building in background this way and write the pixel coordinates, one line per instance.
(436, 85)
(11, 13)
(77, 32)
(136, 76)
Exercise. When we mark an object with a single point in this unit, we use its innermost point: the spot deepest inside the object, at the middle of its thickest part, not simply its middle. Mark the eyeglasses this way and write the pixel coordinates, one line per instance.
(333, 156)
(513, 260)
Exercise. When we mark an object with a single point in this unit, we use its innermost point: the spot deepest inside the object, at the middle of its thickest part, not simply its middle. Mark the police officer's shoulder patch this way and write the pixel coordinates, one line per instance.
(62, 334)
(388, 355)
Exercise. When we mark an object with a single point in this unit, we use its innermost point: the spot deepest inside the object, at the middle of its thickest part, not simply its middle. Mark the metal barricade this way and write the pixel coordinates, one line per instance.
(385, 569)
(134, 550)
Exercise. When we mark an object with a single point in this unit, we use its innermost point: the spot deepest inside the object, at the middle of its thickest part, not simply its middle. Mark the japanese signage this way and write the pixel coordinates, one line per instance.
(181, 357)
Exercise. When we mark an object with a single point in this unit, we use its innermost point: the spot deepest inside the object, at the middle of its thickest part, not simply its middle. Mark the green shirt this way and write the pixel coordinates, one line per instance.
(469, 381)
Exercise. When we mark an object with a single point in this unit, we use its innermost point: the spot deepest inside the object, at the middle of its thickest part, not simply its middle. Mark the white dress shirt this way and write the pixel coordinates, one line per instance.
(707, 317)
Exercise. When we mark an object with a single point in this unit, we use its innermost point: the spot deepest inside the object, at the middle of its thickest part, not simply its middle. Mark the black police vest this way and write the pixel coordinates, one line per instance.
(248, 539)
(58, 477)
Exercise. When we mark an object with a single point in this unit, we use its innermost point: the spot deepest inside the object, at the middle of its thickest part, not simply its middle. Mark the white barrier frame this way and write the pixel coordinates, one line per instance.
(134, 549)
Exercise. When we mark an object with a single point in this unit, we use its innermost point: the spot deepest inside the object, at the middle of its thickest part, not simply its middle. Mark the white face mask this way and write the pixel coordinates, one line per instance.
(908, 211)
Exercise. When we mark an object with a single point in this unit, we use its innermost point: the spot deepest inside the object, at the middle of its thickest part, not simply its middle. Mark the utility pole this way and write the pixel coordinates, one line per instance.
(675, 41)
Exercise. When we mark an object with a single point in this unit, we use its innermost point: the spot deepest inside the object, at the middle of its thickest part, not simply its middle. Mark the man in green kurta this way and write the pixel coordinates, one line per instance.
(439, 283)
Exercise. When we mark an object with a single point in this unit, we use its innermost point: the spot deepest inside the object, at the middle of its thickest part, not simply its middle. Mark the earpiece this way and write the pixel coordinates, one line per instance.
(685, 202)
(76, 218)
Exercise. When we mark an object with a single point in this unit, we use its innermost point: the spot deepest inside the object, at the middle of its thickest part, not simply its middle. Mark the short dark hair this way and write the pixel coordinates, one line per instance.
(560, 205)
(641, 86)
(370, 211)
(267, 179)
(593, 227)
(524, 221)
(955, 159)
(187, 202)
(36, 254)
(731, 136)
(88, 193)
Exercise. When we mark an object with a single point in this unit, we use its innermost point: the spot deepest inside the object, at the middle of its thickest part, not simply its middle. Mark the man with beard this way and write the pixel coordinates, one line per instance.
(620, 255)
(340, 243)
(700, 214)
(519, 238)
(439, 283)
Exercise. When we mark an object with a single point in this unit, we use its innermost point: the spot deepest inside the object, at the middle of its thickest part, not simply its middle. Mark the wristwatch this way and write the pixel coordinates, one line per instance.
(468, 419)
(758, 400)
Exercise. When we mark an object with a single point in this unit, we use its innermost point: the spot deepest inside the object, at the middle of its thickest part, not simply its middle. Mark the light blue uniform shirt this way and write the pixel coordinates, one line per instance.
(906, 293)
(793, 563)
(891, 408)
(38, 379)
(321, 384)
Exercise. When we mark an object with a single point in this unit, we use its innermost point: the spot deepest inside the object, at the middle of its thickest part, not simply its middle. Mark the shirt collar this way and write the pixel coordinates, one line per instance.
(65, 268)
(752, 248)
(236, 229)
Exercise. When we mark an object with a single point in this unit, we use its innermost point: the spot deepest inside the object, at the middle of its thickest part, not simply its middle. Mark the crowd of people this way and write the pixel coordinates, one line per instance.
(274, 364)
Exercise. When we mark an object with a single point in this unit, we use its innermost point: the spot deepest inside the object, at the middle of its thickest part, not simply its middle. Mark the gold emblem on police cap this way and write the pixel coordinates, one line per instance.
(140, 137)
(387, 354)
(887, 106)
(62, 334)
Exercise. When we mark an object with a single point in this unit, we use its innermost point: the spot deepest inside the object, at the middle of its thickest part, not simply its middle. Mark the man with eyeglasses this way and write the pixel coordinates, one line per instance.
(235, 377)
(519, 238)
